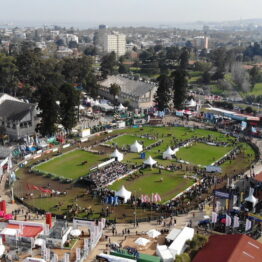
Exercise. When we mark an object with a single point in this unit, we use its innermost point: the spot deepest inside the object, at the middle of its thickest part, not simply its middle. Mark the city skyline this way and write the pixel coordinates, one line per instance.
(127, 12)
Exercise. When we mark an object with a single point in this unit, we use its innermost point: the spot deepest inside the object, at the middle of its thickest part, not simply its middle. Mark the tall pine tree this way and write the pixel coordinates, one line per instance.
(179, 87)
(163, 93)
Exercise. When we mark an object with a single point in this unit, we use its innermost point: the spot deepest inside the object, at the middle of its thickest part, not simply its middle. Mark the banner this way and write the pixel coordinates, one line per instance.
(66, 257)
(228, 221)
(221, 194)
(78, 254)
(248, 225)
(214, 217)
(86, 244)
(234, 200)
(236, 222)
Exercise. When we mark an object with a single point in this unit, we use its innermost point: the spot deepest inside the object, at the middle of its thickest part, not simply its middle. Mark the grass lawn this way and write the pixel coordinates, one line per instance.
(202, 154)
(127, 140)
(150, 182)
(69, 165)
(257, 90)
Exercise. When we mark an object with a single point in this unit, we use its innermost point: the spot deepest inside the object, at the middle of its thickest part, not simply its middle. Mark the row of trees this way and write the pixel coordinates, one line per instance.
(48, 81)
(173, 86)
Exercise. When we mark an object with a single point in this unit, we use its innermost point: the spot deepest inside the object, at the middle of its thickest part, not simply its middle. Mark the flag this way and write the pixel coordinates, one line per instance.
(44, 190)
(156, 198)
(234, 199)
(78, 254)
(236, 222)
(35, 187)
(28, 187)
(159, 199)
(248, 225)
(253, 130)
(214, 217)
(152, 198)
(142, 198)
(228, 221)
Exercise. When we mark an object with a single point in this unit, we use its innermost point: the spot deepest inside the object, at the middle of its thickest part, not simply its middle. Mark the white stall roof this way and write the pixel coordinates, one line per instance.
(173, 234)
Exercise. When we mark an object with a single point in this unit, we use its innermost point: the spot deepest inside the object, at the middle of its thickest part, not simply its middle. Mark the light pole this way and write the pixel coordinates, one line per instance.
(135, 210)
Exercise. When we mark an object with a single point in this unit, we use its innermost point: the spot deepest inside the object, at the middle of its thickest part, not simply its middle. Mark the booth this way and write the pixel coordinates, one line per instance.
(150, 161)
(163, 252)
(136, 147)
(168, 153)
(117, 155)
(123, 193)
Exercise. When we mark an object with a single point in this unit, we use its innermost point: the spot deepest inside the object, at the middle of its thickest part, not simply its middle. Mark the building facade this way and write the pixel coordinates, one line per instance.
(115, 42)
(17, 118)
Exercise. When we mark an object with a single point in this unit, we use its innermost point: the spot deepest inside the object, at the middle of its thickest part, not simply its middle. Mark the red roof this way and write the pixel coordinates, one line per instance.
(28, 231)
(230, 248)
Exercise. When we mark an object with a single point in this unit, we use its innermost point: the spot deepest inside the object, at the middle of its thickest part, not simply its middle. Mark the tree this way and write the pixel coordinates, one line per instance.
(8, 74)
(240, 77)
(114, 90)
(206, 77)
(68, 103)
(183, 59)
(184, 257)
(49, 108)
(163, 93)
(123, 69)
(179, 87)
(108, 64)
(254, 76)
(90, 51)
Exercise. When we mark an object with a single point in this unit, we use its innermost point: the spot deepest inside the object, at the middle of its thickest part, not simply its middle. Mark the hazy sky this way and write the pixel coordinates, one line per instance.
(116, 12)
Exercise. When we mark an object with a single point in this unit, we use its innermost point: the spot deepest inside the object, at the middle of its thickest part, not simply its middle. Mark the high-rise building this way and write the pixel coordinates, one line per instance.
(200, 42)
(115, 42)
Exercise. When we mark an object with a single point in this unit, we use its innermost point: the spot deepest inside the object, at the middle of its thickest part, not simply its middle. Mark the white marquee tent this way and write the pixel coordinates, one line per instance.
(118, 155)
(123, 193)
(178, 245)
(150, 161)
(111, 258)
(163, 252)
(136, 147)
(153, 233)
(121, 108)
(168, 153)
(191, 103)
(142, 241)
(251, 197)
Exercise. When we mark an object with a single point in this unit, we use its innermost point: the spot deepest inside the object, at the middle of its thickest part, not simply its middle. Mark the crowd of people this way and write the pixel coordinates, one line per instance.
(106, 175)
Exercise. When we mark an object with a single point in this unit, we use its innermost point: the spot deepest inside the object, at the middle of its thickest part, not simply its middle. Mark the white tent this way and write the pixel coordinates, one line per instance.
(118, 155)
(178, 245)
(191, 103)
(163, 252)
(142, 241)
(75, 232)
(9, 232)
(168, 153)
(121, 107)
(123, 193)
(2, 250)
(150, 161)
(39, 242)
(112, 258)
(153, 233)
(173, 234)
(251, 198)
(136, 147)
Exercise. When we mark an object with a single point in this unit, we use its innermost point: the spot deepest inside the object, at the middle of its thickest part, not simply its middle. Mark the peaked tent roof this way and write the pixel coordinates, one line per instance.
(123, 193)
(121, 107)
(251, 198)
(116, 153)
(169, 151)
(150, 161)
(230, 248)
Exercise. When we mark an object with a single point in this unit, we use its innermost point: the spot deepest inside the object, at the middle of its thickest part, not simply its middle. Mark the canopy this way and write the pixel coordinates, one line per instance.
(75, 232)
(150, 161)
(142, 241)
(136, 147)
(178, 245)
(112, 258)
(118, 155)
(153, 233)
(164, 253)
(39, 242)
(251, 198)
(191, 103)
(123, 193)
(121, 107)
(173, 234)
(168, 153)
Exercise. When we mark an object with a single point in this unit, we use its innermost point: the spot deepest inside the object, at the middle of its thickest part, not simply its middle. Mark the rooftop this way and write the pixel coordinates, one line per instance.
(129, 86)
